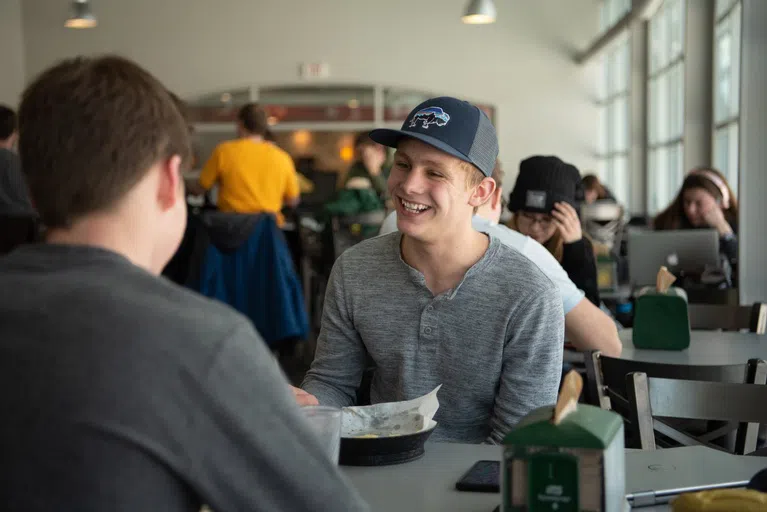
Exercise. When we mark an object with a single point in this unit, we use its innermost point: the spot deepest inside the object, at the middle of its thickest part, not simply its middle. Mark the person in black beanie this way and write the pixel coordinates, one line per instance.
(544, 202)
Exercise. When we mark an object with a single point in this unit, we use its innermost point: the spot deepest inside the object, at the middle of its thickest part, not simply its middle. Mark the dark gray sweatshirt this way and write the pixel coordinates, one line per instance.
(123, 392)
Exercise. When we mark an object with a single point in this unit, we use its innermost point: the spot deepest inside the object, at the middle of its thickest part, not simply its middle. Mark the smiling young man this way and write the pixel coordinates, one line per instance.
(586, 326)
(433, 304)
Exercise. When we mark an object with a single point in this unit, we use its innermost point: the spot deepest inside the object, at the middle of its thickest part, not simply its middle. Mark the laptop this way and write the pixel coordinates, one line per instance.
(655, 477)
(691, 250)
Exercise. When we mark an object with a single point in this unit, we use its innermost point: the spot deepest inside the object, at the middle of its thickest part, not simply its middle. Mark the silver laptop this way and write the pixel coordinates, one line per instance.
(687, 249)
(654, 477)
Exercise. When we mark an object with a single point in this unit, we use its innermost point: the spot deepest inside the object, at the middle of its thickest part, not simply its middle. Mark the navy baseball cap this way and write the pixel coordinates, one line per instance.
(451, 125)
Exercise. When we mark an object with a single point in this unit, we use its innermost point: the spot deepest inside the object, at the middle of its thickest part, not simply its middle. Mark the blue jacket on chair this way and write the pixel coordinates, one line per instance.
(247, 264)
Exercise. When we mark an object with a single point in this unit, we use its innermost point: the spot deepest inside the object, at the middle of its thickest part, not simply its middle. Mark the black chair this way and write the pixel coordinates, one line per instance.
(606, 384)
(651, 397)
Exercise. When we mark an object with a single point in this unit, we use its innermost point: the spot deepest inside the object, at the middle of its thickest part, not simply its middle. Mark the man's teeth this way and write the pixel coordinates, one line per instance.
(413, 207)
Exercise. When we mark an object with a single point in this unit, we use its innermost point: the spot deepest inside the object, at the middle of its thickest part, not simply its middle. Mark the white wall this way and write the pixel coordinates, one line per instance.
(522, 64)
(12, 73)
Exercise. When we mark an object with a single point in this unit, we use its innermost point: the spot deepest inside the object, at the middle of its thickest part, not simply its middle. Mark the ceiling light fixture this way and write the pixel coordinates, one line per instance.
(479, 12)
(82, 16)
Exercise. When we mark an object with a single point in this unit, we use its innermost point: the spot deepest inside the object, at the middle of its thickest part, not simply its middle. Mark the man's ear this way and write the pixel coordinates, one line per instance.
(482, 193)
(171, 184)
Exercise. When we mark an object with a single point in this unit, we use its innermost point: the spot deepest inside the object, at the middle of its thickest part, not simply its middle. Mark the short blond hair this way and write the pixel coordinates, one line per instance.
(473, 175)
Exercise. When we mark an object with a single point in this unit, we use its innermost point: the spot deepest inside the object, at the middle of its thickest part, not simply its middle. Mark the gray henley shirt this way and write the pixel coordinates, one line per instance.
(494, 342)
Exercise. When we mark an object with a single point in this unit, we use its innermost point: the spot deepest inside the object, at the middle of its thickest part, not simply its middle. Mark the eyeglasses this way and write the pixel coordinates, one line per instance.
(530, 219)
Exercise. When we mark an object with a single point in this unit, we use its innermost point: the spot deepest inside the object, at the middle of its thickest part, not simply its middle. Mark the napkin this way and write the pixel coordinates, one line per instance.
(391, 418)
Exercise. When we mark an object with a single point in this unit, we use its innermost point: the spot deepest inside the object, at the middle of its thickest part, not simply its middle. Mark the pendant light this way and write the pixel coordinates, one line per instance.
(479, 12)
(82, 16)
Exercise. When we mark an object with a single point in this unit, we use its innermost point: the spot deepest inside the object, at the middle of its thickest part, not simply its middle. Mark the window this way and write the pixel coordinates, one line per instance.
(727, 89)
(611, 12)
(665, 119)
(614, 140)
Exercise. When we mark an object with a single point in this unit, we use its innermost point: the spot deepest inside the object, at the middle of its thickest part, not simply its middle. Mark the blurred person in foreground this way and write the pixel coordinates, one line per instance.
(253, 174)
(120, 390)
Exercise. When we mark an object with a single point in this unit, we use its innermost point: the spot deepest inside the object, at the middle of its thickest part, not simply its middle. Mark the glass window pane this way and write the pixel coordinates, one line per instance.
(658, 40)
(620, 179)
(735, 19)
(602, 169)
(722, 149)
(676, 173)
(722, 6)
(658, 189)
(619, 124)
(620, 70)
(676, 28)
(722, 72)
(652, 111)
(604, 17)
(603, 146)
(676, 101)
(661, 108)
(602, 90)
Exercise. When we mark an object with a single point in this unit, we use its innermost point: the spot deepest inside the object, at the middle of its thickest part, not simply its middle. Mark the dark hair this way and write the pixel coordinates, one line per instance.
(7, 122)
(253, 119)
(591, 182)
(673, 217)
(89, 130)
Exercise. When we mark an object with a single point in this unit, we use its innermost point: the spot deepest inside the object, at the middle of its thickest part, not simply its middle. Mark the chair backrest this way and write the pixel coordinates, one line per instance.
(606, 386)
(651, 397)
(729, 318)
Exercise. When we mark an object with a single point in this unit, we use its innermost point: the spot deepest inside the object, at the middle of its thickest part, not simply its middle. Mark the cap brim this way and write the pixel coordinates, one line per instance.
(391, 138)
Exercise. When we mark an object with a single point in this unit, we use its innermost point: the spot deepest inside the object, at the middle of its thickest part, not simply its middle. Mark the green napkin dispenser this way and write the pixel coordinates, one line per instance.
(661, 320)
(574, 466)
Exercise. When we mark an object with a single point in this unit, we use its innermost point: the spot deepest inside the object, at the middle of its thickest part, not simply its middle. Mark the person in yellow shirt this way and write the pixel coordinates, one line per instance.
(253, 175)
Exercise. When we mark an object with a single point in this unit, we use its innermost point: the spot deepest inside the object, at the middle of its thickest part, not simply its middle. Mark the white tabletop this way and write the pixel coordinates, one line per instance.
(706, 348)
(428, 484)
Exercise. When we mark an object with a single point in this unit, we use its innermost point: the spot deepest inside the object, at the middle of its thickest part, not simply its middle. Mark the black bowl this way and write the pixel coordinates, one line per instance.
(382, 451)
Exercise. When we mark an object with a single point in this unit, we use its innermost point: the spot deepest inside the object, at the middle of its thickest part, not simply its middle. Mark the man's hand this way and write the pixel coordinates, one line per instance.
(373, 159)
(566, 219)
(304, 398)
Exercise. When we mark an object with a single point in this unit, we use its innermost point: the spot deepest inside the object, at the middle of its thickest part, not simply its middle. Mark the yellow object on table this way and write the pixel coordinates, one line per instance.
(721, 500)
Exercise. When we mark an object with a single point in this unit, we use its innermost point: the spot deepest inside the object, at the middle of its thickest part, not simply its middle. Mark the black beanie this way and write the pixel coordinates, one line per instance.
(543, 181)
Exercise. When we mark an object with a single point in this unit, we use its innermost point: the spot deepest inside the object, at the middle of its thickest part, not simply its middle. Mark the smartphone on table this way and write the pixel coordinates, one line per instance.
(483, 476)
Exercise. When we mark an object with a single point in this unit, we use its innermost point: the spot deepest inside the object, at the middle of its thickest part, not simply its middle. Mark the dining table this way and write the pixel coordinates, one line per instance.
(428, 483)
(706, 348)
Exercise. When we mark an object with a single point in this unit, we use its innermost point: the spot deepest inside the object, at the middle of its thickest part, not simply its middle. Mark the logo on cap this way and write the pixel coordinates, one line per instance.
(429, 116)
(536, 199)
